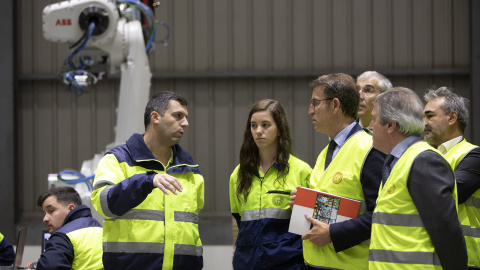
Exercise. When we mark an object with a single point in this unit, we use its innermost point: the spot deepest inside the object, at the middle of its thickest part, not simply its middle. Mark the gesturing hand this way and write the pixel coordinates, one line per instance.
(167, 182)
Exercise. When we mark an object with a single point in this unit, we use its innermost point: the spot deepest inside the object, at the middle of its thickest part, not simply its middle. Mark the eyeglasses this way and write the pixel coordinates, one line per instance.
(315, 102)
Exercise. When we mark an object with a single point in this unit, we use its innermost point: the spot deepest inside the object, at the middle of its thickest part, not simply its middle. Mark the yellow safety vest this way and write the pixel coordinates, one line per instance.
(265, 217)
(342, 178)
(162, 225)
(399, 239)
(469, 211)
(87, 247)
(268, 197)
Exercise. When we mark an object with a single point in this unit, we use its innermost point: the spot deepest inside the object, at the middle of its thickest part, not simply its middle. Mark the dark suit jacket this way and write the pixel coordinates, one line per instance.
(430, 184)
(352, 232)
(368, 131)
(467, 175)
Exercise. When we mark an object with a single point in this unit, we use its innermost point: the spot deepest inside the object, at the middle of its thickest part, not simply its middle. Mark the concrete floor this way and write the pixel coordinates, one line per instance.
(214, 257)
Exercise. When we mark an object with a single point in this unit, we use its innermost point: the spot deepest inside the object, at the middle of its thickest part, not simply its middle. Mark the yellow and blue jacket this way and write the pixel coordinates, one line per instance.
(144, 228)
(263, 240)
(7, 255)
(76, 245)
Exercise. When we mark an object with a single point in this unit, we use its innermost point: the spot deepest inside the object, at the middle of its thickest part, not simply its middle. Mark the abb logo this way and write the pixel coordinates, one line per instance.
(63, 22)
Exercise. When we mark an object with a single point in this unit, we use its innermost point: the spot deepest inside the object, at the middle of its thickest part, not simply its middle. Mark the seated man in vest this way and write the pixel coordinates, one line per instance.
(7, 255)
(76, 237)
(369, 85)
(348, 167)
(415, 224)
(445, 117)
(151, 191)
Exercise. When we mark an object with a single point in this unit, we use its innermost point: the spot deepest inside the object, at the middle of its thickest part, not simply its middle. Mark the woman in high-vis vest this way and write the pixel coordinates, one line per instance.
(260, 188)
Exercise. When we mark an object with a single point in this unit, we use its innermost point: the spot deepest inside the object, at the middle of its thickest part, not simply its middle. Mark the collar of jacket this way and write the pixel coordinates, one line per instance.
(354, 130)
(275, 165)
(140, 152)
(80, 211)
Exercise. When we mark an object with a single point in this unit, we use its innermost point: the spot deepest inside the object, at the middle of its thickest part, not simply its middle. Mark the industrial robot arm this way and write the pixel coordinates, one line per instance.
(102, 25)
(106, 34)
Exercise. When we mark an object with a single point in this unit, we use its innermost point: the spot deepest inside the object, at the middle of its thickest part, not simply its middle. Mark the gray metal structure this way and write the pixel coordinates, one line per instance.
(224, 55)
(475, 70)
(8, 200)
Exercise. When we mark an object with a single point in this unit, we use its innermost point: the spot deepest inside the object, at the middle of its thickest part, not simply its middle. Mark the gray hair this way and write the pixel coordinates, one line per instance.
(452, 103)
(384, 84)
(403, 106)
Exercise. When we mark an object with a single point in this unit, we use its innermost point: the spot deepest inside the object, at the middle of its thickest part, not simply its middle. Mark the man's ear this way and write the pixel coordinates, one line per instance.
(391, 127)
(155, 117)
(70, 207)
(336, 104)
(452, 117)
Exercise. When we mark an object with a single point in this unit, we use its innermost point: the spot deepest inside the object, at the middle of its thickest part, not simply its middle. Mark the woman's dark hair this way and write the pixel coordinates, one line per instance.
(249, 156)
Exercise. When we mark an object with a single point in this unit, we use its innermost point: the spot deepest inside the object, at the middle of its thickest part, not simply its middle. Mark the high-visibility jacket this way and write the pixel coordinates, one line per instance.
(263, 240)
(7, 255)
(75, 245)
(144, 228)
(399, 239)
(341, 178)
(469, 211)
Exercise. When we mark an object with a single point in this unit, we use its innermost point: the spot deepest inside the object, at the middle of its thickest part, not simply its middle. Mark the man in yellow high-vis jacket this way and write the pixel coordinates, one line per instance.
(415, 224)
(76, 237)
(446, 116)
(151, 191)
(348, 167)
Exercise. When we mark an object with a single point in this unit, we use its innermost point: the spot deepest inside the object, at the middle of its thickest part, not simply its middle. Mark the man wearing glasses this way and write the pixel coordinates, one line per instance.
(348, 167)
(370, 84)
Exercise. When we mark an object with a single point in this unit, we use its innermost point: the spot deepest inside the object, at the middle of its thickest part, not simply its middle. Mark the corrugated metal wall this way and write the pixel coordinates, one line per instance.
(223, 55)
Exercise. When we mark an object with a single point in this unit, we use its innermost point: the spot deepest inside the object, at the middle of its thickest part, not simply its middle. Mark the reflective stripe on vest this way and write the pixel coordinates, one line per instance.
(471, 232)
(473, 202)
(399, 239)
(391, 256)
(341, 180)
(264, 218)
(469, 211)
(104, 202)
(188, 250)
(266, 213)
(160, 224)
(156, 248)
(157, 215)
(405, 220)
(134, 247)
